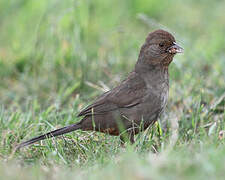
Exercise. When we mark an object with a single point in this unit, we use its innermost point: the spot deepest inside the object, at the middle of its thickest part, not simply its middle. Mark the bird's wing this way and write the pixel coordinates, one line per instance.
(129, 93)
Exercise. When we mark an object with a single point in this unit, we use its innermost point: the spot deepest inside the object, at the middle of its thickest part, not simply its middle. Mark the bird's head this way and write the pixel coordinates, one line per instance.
(159, 48)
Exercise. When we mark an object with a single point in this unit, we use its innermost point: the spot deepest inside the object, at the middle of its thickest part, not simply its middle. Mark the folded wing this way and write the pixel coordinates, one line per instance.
(129, 93)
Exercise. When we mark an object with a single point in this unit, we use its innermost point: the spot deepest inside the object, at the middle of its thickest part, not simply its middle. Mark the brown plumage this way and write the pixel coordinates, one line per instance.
(137, 102)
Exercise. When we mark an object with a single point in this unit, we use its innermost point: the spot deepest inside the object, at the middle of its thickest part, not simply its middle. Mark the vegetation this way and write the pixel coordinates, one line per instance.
(57, 56)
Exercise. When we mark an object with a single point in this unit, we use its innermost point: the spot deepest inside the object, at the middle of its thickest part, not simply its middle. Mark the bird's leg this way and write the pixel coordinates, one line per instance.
(122, 141)
(130, 137)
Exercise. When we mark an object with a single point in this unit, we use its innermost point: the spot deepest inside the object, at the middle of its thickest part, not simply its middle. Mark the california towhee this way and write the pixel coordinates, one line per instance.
(137, 102)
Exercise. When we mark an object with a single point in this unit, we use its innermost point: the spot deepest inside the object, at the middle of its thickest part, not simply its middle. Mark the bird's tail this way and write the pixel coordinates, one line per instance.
(51, 134)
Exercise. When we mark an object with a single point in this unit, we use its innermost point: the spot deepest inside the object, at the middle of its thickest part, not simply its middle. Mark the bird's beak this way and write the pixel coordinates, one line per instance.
(175, 49)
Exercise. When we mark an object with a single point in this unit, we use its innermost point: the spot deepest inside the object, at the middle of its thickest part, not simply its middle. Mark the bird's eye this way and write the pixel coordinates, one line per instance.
(161, 44)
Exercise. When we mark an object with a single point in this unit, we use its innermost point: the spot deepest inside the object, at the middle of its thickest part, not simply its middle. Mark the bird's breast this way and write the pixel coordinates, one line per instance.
(158, 93)
(164, 97)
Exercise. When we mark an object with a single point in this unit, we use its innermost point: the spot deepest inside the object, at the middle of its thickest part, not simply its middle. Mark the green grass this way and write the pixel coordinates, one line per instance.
(57, 56)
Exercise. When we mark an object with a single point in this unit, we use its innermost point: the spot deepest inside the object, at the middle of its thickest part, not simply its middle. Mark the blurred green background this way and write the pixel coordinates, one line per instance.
(57, 56)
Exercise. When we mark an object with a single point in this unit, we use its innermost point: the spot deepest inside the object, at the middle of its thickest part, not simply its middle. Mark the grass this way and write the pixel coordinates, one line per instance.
(57, 56)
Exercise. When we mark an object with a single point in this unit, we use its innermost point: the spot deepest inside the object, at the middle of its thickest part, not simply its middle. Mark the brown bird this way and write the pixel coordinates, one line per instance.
(137, 102)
